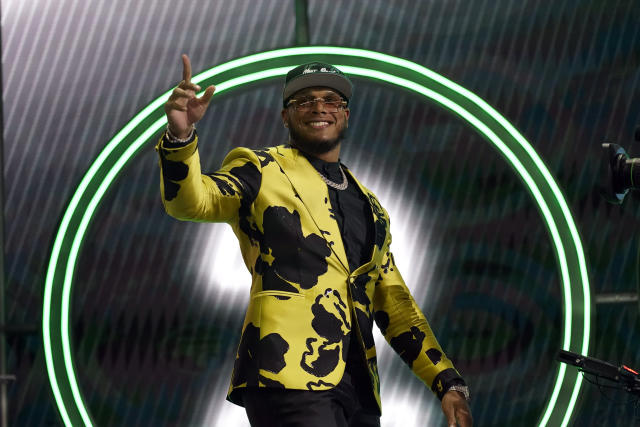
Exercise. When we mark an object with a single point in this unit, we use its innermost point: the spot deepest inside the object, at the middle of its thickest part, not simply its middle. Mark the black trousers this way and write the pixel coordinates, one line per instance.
(301, 408)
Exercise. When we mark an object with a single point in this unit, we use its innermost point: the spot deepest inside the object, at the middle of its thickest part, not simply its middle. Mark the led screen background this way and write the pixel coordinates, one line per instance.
(155, 324)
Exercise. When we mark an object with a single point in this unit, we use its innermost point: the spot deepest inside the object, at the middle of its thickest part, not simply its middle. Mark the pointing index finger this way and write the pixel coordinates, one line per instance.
(186, 68)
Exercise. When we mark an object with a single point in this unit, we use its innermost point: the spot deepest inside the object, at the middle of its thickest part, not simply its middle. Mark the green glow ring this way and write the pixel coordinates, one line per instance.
(129, 141)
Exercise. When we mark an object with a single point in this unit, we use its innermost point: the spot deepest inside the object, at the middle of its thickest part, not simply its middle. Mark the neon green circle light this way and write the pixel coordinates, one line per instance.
(493, 127)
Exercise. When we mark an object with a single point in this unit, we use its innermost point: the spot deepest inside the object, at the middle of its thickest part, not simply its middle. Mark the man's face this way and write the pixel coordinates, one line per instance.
(316, 129)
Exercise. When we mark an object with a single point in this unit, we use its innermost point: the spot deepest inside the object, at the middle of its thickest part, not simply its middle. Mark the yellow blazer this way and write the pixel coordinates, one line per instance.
(305, 303)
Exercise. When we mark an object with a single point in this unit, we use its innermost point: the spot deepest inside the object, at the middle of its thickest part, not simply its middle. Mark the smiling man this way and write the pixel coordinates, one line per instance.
(316, 243)
(316, 116)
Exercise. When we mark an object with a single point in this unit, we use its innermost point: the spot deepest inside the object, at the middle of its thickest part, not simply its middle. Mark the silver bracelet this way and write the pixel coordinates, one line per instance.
(462, 389)
(174, 139)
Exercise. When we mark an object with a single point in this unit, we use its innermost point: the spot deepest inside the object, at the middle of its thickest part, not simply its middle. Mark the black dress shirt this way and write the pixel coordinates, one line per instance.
(352, 211)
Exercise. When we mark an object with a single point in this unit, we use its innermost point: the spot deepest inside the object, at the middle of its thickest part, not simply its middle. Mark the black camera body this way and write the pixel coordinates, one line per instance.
(619, 173)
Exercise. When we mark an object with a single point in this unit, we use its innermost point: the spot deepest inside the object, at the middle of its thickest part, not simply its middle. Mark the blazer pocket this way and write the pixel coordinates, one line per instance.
(277, 294)
(289, 317)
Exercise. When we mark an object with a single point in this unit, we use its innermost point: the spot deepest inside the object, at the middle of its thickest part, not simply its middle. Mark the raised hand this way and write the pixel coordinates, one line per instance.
(184, 108)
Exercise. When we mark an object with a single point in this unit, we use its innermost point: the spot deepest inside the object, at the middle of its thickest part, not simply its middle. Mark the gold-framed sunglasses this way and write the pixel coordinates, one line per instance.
(331, 104)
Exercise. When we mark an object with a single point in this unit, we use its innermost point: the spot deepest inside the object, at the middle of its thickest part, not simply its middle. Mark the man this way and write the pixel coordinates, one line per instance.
(317, 245)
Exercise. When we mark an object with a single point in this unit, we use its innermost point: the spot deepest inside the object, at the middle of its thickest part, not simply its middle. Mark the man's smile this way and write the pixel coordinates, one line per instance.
(318, 124)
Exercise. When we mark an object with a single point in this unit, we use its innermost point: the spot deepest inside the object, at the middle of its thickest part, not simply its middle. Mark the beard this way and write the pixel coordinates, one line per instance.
(313, 146)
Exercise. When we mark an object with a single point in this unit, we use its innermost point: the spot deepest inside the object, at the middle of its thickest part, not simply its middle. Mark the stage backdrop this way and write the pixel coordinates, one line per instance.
(157, 304)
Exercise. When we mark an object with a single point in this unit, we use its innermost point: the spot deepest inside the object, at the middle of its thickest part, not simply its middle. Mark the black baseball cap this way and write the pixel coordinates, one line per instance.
(316, 74)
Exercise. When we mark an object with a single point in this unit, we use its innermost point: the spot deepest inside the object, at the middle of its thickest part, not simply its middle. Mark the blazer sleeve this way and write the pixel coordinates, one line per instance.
(187, 194)
(406, 329)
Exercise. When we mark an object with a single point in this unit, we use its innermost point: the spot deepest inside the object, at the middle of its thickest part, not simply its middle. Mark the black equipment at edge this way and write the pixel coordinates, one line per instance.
(618, 172)
(628, 379)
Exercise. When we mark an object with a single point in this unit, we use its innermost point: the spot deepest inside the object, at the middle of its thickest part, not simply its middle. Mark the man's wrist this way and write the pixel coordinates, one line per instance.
(445, 380)
(462, 389)
(169, 141)
(176, 140)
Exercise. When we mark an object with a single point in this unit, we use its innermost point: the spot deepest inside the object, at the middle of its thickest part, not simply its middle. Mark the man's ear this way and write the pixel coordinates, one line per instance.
(285, 118)
(346, 117)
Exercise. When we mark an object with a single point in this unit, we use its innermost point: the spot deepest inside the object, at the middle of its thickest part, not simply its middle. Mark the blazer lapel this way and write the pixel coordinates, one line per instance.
(314, 195)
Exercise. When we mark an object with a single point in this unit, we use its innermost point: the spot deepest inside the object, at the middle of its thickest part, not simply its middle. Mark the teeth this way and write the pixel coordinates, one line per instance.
(318, 124)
